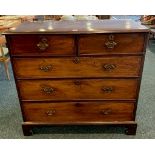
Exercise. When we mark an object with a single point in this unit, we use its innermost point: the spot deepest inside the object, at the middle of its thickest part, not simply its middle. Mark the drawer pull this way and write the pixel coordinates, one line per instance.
(43, 45)
(106, 111)
(109, 67)
(46, 68)
(107, 89)
(76, 60)
(47, 89)
(50, 112)
(77, 82)
(111, 43)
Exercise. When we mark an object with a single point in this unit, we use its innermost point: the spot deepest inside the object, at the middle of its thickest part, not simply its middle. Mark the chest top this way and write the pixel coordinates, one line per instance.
(78, 27)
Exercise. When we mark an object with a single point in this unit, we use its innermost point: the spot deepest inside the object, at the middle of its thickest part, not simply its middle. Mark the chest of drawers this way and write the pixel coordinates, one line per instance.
(78, 73)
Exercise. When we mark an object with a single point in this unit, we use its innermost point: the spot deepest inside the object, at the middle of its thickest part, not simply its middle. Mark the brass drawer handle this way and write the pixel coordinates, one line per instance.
(76, 60)
(109, 67)
(51, 112)
(43, 45)
(46, 68)
(107, 89)
(106, 111)
(111, 43)
(48, 89)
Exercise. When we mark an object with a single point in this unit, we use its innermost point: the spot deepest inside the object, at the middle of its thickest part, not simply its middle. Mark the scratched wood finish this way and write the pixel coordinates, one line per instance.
(56, 45)
(78, 112)
(77, 67)
(78, 89)
(125, 43)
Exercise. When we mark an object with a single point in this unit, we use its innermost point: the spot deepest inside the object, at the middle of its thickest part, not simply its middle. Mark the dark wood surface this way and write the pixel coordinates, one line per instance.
(78, 89)
(56, 45)
(61, 45)
(78, 27)
(29, 68)
(125, 43)
(80, 112)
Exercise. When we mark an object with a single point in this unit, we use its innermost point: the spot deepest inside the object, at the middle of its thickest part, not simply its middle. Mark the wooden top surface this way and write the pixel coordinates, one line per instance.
(78, 27)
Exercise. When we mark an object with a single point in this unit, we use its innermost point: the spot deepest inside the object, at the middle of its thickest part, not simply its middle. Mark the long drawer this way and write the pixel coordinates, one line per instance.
(98, 44)
(42, 45)
(76, 112)
(76, 89)
(77, 67)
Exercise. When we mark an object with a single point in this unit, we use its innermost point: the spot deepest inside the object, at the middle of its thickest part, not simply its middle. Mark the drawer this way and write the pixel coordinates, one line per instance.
(77, 89)
(78, 112)
(77, 67)
(98, 44)
(40, 45)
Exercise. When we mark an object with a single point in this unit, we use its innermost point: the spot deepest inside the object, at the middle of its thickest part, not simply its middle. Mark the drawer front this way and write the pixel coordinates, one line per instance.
(77, 89)
(77, 67)
(96, 44)
(78, 112)
(31, 45)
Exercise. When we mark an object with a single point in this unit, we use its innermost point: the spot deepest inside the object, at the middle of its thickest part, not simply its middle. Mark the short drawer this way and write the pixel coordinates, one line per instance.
(78, 112)
(98, 44)
(77, 89)
(128, 66)
(40, 45)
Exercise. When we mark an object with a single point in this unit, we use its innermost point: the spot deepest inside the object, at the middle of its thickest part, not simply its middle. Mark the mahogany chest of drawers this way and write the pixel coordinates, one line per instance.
(78, 73)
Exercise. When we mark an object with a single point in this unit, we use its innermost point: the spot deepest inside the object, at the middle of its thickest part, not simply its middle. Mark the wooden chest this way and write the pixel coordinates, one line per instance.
(78, 73)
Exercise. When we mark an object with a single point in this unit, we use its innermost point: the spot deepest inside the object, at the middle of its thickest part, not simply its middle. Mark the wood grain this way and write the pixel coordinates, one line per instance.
(27, 45)
(78, 112)
(125, 43)
(78, 89)
(84, 67)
